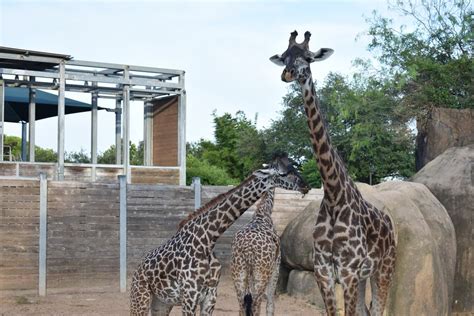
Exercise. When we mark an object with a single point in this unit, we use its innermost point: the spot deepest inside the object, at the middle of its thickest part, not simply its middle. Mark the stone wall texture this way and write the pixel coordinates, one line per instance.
(450, 177)
(426, 251)
(444, 129)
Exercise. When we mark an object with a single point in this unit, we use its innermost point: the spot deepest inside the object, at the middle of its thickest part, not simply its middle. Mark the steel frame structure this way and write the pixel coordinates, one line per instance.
(41, 70)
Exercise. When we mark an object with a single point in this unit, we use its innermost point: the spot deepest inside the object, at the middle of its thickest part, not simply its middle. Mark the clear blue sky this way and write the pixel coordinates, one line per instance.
(223, 46)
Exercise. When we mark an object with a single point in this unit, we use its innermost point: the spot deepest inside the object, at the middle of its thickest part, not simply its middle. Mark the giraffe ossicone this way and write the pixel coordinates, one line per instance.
(353, 240)
(184, 270)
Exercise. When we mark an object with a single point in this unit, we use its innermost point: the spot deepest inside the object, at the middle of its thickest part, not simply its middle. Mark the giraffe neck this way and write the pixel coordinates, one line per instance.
(265, 206)
(332, 170)
(213, 219)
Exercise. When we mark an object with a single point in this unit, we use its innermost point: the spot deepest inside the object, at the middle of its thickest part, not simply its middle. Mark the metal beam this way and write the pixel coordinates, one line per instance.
(43, 233)
(31, 73)
(23, 141)
(126, 128)
(2, 116)
(32, 122)
(120, 80)
(182, 134)
(61, 120)
(23, 57)
(123, 233)
(94, 125)
(148, 133)
(197, 192)
(93, 76)
(85, 63)
(118, 131)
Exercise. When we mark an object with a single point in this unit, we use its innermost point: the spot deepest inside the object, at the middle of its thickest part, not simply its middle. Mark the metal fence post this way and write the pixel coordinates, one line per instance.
(123, 233)
(43, 225)
(197, 192)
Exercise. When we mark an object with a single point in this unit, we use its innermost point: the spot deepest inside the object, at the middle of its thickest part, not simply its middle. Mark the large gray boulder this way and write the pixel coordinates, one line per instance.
(426, 246)
(450, 177)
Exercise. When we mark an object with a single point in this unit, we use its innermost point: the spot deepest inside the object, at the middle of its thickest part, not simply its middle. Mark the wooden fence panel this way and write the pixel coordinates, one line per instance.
(83, 234)
(83, 228)
(19, 234)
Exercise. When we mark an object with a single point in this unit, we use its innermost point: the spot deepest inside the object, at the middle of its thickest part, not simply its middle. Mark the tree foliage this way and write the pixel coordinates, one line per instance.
(363, 123)
(238, 147)
(430, 63)
(209, 174)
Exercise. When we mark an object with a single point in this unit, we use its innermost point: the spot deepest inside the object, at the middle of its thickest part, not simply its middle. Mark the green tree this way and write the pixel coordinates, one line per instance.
(289, 132)
(41, 154)
(45, 155)
(77, 157)
(238, 148)
(209, 174)
(136, 155)
(430, 63)
(14, 143)
(364, 125)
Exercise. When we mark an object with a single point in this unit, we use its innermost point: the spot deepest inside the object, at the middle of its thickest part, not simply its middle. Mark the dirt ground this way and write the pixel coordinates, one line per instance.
(107, 301)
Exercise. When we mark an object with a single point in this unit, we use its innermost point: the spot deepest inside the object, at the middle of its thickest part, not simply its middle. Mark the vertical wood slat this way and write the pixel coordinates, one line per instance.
(43, 234)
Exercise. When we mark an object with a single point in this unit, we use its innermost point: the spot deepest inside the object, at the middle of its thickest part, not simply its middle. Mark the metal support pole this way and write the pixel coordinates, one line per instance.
(118, 131)
(43, 234)
(148, 133)
(126, 127)
(182, 133)
(23, 141)
(32, 122)
(61, 119)
(196, 185)
(2, 118)
(123, 233)
(94, 98)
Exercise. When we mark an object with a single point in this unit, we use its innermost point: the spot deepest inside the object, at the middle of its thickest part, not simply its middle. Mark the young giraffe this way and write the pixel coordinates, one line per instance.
(184, 270)
(353, 240)
(256, 259)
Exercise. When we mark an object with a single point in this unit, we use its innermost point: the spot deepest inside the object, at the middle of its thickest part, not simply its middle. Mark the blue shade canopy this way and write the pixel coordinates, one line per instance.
(17, 102)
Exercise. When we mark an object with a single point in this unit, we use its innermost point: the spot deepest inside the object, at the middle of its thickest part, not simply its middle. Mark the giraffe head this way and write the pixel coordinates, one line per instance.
(281, 173)
(297, 58)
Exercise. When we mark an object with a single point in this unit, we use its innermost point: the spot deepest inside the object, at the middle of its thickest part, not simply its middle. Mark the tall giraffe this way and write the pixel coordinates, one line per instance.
(256, 260)
(353, 240)
(184, 270)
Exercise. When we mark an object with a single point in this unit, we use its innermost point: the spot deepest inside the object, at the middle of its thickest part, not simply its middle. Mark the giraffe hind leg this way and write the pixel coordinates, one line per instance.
(158, 308)
(380, 285)
(361, 307)
(209, 301)
(271, 287)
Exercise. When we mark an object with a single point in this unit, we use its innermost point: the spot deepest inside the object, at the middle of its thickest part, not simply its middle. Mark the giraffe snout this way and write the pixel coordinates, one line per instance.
(287, 76)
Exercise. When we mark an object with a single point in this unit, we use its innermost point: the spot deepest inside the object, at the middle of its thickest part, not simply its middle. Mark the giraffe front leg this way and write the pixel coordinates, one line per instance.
(190, 297)
(324, 274)
(140, 296)
(350, 284)
(210, 298)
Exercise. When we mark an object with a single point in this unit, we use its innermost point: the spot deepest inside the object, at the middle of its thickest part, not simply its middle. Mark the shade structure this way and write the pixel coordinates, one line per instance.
(17, 101)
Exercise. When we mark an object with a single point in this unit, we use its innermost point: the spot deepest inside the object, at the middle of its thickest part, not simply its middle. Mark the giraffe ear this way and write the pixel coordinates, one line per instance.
(320, 55)
(276, 59)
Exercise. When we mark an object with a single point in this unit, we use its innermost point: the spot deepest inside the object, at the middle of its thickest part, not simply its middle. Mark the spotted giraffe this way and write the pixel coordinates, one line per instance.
(256, 260)
(353, 240)
(184, 270)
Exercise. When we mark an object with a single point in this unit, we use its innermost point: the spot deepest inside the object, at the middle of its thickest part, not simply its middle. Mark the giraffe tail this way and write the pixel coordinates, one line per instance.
(248, 304)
